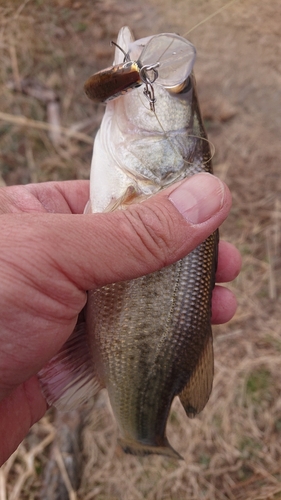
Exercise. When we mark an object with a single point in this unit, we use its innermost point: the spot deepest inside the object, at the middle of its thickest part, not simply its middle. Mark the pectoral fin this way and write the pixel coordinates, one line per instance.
(69, 379)
(195, 394)
(131, 195)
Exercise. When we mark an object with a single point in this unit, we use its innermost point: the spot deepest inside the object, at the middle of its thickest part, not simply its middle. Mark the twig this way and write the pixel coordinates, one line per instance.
(272, 283)
(29, 463)
(27, 122)
(2, 486)
(62, 474)
(15, 66)
(71, 493)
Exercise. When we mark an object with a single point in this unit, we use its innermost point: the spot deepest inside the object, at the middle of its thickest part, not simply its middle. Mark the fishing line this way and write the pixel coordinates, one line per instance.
(228, 4)
(186, 162)
(212, 147)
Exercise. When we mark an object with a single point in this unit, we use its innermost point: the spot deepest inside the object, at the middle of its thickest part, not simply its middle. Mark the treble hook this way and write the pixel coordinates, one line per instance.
(126, 55)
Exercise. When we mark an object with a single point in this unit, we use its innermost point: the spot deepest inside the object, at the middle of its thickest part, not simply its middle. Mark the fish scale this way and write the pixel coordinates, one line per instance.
(151, 346)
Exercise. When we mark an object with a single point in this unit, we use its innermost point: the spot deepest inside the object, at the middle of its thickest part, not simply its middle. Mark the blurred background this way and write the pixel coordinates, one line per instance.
(48, 49)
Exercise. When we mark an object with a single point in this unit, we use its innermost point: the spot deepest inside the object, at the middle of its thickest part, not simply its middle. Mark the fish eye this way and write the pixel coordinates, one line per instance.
(187, 86)
(181, 88)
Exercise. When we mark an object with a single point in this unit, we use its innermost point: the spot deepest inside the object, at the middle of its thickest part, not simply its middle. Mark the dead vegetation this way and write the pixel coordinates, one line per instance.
(233, 450)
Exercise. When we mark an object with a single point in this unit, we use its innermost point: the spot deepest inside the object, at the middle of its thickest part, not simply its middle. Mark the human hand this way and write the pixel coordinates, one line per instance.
(51, 254)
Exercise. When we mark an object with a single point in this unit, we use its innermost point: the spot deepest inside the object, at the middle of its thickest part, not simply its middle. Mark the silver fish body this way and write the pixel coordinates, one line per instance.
(150, 338)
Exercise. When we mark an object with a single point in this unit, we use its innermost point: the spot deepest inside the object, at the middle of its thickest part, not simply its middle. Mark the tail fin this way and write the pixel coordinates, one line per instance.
(141, 450)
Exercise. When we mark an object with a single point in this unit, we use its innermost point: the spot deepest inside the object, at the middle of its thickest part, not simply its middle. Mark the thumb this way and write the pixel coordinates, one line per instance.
(126, 244)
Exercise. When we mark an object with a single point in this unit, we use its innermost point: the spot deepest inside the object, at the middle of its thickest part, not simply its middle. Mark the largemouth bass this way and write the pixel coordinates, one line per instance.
(149, 339)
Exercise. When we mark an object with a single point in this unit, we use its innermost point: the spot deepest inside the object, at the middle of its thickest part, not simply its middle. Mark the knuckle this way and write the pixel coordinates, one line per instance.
(153, 232)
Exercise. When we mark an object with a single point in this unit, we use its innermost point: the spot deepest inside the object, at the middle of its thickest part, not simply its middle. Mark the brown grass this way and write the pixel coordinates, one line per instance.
(233, 450)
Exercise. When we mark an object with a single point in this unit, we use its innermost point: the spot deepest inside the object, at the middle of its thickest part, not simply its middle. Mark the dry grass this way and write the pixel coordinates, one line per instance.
(233, 450)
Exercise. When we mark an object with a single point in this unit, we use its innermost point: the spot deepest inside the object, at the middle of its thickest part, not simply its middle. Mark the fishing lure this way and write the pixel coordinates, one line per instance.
(167, 58)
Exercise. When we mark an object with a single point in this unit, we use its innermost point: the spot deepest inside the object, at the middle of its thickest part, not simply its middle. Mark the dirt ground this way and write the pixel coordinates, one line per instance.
(233, 450)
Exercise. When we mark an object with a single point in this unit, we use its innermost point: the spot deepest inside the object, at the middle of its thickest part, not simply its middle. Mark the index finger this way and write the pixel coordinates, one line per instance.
(61, 197)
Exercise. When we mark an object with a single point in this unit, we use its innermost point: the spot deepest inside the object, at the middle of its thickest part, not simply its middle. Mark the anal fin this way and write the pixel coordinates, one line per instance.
(69, 380)
(196, 393)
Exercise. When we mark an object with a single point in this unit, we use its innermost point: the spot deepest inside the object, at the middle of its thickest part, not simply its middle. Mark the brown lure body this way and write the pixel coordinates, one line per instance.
(112, 82)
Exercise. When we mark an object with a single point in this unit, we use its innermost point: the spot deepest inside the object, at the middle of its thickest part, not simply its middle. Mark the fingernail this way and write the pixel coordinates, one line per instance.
(199, 197)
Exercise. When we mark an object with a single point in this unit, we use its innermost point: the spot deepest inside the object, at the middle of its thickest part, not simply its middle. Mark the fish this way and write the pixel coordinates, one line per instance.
(146, 340)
